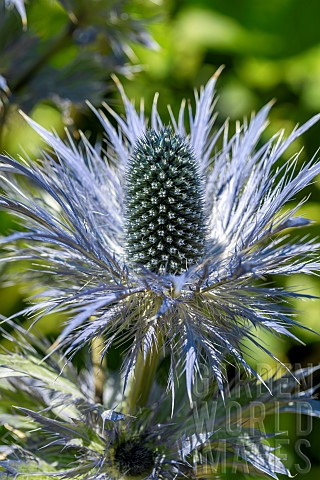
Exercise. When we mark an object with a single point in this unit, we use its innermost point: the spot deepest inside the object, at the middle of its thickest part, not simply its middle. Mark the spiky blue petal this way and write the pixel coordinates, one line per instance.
(72, 205)
(63, 433)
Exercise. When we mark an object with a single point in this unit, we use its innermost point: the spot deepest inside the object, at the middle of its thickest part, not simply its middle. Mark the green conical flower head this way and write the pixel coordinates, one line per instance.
(165, 223)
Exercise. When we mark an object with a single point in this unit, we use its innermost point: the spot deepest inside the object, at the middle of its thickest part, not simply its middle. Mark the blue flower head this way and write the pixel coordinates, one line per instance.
(160, 239)
(57, 429)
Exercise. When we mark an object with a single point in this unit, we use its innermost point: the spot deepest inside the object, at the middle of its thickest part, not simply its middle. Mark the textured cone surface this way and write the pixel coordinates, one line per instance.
(165, 224)
(133, 458)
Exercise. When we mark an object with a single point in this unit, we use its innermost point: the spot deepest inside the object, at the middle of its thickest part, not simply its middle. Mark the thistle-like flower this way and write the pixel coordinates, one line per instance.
(57, 430)
(161, 240)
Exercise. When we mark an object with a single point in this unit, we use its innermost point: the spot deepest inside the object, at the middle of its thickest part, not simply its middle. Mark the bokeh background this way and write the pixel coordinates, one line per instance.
(270, 49)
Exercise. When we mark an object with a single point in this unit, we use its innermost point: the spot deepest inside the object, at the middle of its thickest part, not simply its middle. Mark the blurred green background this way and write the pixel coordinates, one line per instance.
(270, 49)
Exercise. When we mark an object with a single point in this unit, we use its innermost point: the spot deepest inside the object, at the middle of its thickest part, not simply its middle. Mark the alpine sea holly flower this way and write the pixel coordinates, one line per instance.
(160, 240)
(56, 429)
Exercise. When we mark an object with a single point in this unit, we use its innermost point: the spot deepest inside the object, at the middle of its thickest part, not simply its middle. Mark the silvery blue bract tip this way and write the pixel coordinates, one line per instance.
(97, 227)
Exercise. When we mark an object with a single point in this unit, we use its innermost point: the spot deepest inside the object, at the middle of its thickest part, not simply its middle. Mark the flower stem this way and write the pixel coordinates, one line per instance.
(99, 369)
(144, 375)
(17, 84)
(57, 44)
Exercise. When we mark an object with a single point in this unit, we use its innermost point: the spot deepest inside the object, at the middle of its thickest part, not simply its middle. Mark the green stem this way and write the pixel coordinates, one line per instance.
(3, 113)
(99, 369)
(59, 43)
(144, 377)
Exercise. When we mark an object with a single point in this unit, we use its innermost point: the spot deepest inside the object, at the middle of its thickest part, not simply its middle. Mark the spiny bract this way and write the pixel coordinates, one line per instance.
(207, 306)
(57, 430)
(164, 207)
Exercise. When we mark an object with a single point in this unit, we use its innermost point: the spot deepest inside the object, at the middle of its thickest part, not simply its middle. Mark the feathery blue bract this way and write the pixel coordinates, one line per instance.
(75, 234)
(59, 431)
(19, 5)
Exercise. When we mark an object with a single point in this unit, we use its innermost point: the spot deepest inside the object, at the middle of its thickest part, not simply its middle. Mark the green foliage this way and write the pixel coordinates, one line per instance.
(64, 56)
(62, 53)
(70, 57)
(50, 424)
